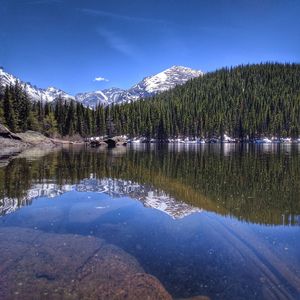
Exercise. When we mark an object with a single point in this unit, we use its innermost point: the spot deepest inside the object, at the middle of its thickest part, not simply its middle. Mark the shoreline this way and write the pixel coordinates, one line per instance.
(29, 141)
(16, 144)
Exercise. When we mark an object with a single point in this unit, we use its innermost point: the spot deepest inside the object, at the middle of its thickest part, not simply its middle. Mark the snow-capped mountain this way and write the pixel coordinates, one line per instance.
(36, 94)
(149, 86)
(176, 75)
(104, 97)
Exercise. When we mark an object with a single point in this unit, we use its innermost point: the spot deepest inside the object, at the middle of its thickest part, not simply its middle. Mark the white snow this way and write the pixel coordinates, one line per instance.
(103, 95)
(168, 78)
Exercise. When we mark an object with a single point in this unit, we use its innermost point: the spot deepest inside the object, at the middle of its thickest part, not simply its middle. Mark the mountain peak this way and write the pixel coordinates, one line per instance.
(51, 88)
(183, 68)
(167, 79)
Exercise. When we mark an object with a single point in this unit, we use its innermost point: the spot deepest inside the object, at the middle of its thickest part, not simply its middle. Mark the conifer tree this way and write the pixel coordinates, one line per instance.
(9, 113)
(50, 125)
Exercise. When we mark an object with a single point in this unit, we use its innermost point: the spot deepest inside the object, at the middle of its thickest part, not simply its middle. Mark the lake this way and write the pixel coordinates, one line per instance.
(219, 221)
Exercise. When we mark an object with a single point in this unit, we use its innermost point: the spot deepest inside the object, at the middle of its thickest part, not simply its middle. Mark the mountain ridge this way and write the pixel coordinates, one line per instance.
(147, 87)
(48, 94)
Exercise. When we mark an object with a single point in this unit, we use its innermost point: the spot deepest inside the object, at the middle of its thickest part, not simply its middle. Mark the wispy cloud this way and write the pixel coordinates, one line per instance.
(117, 42)
(100, 79)
(102, 13)
(44, 2)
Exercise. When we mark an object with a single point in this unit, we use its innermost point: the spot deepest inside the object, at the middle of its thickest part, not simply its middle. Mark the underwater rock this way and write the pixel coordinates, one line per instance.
(38, 265)
(196, 298)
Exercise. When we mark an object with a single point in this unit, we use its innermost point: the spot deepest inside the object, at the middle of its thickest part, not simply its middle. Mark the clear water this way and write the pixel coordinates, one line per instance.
(220, 221)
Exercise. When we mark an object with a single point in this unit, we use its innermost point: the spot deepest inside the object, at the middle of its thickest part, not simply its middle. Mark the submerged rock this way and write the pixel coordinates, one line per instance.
(38, 265)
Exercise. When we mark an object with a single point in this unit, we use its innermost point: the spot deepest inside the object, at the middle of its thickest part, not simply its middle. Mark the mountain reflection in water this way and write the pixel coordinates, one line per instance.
(214, 220)
(256, 184)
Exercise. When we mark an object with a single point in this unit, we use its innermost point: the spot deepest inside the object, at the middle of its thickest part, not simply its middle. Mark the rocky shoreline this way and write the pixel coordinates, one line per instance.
(12, 144)
(10, 148)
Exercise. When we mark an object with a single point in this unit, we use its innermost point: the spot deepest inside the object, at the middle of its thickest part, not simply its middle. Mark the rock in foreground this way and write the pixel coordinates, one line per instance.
(38, 265)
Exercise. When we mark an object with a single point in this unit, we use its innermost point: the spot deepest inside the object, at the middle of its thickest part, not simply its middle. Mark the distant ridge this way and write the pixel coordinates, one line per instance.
(149, 86)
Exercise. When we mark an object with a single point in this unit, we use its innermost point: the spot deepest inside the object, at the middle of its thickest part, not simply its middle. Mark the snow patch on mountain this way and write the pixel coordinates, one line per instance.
(104, 97)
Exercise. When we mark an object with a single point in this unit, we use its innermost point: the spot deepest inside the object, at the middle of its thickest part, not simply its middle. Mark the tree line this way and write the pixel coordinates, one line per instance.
(60, 118)
(244, 101)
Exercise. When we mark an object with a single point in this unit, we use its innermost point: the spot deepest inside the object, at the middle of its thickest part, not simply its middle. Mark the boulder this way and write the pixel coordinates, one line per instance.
(39, 265)
(116, 141)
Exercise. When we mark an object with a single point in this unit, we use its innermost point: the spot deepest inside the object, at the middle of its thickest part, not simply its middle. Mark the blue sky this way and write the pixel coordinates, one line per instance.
(69, 43)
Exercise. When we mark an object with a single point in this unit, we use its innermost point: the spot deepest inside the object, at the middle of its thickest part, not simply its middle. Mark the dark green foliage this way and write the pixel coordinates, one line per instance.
(61, 118)
(15, 107)
(9, 112)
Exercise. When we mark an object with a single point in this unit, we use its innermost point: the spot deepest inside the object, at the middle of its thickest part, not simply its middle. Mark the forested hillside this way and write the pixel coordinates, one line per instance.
(60, 118)
(245, 101)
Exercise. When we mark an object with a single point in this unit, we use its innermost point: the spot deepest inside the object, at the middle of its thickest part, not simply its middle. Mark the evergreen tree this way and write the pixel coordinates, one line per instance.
(69, 126)
(50, 125)
(9, 113)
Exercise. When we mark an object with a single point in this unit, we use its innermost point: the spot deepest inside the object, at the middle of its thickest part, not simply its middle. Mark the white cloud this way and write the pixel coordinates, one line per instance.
(100, 79)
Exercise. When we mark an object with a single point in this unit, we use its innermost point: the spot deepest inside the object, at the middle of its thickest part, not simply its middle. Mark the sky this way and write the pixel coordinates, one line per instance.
(88, 45)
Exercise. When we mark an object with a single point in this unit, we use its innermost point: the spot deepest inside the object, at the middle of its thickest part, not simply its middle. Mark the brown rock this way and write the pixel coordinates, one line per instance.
(196, 298)
(38, 265)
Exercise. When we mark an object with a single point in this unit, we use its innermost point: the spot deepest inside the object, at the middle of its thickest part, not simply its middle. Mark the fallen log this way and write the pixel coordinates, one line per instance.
(6, 133)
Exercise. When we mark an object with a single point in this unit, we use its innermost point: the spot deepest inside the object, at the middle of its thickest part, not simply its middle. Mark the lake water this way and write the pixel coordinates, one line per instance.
(221, 221)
